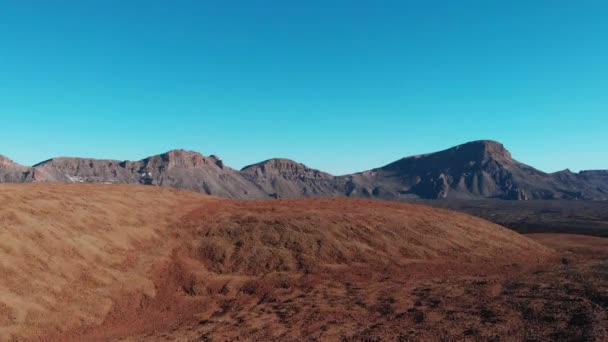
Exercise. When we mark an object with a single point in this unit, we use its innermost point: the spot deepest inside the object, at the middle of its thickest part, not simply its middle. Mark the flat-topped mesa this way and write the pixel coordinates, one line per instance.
(74, 161)
(477, 169)
(483, 149)
(473, 170)
(461, 156)
(182, 159)
(273, 164)
(281, 177)
(283, 167)
(176, 168)
(81, 170)
(477, 151)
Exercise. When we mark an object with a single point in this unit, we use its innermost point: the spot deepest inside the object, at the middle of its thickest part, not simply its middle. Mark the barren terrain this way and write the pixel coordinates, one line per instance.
(482, 169)
(571, 217)
(116, 262)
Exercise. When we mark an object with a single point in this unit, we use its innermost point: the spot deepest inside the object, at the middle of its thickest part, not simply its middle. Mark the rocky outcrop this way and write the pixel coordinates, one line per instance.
(13, 172)
(479, 169)
(177, 168)
(284, 178)
(475, 170)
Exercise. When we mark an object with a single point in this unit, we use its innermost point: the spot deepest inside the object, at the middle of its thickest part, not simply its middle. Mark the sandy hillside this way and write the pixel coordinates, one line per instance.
(133, 262)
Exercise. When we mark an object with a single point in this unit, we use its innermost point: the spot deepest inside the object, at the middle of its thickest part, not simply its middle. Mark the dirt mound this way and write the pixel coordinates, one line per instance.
(98, 262)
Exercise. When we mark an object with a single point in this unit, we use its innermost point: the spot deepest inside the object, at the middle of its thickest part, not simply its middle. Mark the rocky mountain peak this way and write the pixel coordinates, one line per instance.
(473, 170)
(182, 159)
(284, 167)
(274, 164)
(482, 150)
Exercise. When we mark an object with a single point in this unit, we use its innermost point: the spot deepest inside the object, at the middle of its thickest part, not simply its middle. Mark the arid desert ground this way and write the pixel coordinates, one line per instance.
(117, 262)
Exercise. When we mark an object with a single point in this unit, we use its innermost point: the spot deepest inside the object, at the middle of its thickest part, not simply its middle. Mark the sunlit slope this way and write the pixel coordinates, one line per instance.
(112, 261)
(257, 237)
(65, 249)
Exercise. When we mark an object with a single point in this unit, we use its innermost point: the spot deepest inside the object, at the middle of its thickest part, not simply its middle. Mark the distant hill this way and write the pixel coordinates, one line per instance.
(475, 170)
(479, 169)
(287, 178)
(177, 169)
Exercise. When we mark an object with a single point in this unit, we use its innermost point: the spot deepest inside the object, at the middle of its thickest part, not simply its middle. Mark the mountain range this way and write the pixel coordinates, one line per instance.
(475, 170)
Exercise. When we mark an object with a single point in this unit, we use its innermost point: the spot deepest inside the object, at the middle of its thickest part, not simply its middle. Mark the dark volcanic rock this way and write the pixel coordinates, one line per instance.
(479, 169)
(178, 168)
(283, 178)
(592, 184)
(475, 170)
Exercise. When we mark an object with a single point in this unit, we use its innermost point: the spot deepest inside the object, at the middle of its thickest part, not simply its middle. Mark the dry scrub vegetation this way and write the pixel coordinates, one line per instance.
(67, 250)
(107, 262)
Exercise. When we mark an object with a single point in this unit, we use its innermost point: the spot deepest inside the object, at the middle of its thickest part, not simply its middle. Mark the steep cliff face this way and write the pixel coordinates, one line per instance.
(475, 170)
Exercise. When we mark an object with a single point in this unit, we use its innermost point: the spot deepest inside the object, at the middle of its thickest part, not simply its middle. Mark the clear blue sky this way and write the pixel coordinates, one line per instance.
(338, 85)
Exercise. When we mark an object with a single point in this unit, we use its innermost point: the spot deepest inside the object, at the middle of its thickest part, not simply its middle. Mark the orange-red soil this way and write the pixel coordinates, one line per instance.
(107, 262)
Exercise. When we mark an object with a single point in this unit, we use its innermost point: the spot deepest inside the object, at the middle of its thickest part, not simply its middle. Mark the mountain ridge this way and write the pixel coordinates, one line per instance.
(473, 170)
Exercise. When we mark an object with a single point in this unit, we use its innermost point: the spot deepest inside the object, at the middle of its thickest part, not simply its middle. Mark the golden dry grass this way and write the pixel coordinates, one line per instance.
(259, 237)
(66, 250)
(90, 262)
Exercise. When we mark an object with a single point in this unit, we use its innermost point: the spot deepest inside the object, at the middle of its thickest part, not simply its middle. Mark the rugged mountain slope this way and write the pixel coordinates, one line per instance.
(479, 169)
(286, 178)
(13, 172)
(178, 169)
(475, 170)
(590, 184)
(91, 262)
